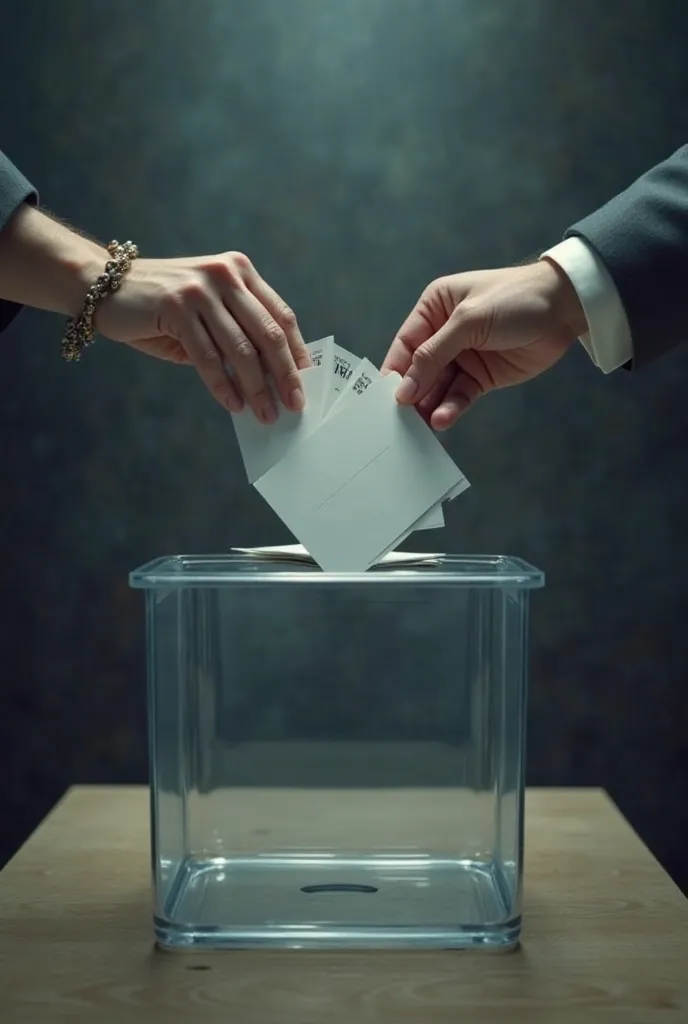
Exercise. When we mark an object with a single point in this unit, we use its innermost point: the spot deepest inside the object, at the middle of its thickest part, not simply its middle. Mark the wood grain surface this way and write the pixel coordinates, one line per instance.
(605, 936)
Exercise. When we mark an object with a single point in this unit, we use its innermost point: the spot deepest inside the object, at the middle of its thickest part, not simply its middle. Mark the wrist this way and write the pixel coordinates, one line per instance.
(75, 262)
(80, 263)
(566, 307)
(46, 265)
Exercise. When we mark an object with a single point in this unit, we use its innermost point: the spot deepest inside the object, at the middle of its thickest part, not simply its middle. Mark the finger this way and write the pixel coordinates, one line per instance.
(284, 316)
(243, 358)
(434, 397)
(428, 362)
(431, 358)
(398, 359)
(271, 342)
(461, 394)
(205, 356)
(413, 332)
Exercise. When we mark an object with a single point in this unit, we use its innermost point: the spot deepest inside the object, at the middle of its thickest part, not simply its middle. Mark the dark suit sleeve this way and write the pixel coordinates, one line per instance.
(642, 238)
(14, 190)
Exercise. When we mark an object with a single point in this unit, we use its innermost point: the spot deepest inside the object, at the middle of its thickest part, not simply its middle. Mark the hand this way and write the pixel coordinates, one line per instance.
(486, 329)
(213, 312)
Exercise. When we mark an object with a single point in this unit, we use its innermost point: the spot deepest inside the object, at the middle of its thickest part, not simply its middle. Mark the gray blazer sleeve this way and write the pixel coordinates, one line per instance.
(14, 190)
(642, 238)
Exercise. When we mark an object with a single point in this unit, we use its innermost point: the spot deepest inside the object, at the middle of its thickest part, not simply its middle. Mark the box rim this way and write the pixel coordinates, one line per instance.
(176, 571)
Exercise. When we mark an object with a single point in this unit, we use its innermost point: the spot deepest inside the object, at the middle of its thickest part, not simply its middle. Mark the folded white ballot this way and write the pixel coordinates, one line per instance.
(354, 473)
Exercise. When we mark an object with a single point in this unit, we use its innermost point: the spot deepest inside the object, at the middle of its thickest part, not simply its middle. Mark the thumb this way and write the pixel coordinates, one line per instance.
(432, 357)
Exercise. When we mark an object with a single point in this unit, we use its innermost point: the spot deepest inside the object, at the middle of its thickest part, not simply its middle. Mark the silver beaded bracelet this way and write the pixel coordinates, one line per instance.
(80, 332)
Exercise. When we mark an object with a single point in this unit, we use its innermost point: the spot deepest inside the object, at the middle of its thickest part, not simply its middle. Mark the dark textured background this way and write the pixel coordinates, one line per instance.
(354, 149)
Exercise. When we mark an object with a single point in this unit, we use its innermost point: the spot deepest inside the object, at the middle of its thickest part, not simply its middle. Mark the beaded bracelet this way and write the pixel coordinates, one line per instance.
(80, 332)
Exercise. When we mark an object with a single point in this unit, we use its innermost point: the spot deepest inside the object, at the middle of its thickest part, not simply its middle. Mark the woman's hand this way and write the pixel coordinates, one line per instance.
(217, 313)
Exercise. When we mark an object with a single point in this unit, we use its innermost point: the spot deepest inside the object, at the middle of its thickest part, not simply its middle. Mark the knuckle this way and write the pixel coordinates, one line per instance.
(240, 262)
(244, 350)
(222, 272)
(209, 355)
(468, 311)
(425, 358)
(191, 292)
(258, 396)
(274, 335)
(287, 317)
(289, 380)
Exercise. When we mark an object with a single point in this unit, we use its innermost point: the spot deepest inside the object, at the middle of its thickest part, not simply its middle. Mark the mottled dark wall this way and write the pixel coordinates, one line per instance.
(354, 149)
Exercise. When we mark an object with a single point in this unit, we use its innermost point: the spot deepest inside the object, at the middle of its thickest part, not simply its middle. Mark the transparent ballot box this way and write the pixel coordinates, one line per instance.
(337, 760)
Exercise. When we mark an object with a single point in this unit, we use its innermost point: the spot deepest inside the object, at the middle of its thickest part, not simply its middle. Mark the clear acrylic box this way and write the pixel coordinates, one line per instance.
(337, 760)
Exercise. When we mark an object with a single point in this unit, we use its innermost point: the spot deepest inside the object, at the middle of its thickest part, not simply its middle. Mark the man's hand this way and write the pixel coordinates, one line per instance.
(214, 312)
(487, 329)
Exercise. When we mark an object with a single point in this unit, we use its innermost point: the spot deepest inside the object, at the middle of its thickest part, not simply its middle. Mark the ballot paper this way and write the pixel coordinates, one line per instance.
(354, 473)
(264, 444)
(352, 490)
(322, 352)
(298, 553)
(366, 372)
(358, 383)
(343, 366)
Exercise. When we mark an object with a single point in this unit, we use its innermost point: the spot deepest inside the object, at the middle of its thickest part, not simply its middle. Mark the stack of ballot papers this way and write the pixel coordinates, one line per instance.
(297, 553)
(354, 473)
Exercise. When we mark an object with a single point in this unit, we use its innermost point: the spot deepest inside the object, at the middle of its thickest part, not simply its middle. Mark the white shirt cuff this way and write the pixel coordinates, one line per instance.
(608, 339)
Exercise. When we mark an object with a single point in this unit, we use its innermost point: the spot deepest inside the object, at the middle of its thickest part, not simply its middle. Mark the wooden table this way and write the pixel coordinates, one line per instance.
(605, 938)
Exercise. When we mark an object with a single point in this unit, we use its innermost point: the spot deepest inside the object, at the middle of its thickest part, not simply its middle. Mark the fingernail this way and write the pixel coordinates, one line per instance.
(268, 413)
(407, 389)
(297, 400)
